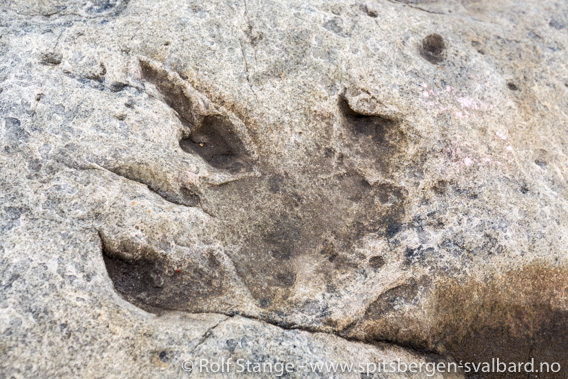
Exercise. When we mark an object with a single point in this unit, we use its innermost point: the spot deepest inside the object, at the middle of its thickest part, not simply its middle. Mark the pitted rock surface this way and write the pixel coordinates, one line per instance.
(348, 180)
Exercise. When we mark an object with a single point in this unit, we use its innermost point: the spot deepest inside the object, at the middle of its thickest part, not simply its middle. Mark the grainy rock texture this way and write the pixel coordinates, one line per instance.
(281, 181)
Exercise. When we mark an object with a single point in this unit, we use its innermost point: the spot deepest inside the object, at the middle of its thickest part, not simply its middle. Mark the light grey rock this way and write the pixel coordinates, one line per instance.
(318, 181)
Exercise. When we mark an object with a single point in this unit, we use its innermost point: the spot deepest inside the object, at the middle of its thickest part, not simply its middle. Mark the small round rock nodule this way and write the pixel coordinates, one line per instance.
(433, 48)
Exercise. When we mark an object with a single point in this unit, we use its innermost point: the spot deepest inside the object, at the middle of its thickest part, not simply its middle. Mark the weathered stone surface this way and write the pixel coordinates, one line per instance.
(387, 176)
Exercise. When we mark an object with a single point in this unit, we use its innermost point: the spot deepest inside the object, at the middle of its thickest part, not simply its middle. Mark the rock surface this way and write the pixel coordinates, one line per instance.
(288, 181)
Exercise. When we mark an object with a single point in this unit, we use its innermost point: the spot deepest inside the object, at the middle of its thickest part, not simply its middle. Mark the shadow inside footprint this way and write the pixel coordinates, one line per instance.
(215, 142)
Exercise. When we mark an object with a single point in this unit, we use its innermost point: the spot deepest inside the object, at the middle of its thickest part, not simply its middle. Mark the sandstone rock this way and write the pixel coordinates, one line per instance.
(282, 182)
